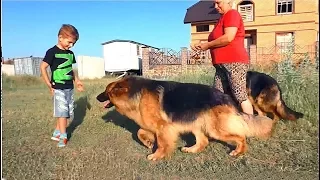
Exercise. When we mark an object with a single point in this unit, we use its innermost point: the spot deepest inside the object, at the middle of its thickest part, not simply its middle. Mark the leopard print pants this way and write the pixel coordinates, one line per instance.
(231, 79)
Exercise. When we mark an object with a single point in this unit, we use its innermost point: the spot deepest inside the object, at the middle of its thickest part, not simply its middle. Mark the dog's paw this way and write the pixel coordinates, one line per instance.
(236, 153)
(149, 144)
(155, 157)
(189, 149)
(233, 153)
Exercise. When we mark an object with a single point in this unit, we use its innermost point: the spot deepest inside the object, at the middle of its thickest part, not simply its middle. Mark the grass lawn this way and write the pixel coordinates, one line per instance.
(103, 144)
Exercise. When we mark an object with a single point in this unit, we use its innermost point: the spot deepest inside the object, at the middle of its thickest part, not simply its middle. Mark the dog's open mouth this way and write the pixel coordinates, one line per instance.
(107, 104)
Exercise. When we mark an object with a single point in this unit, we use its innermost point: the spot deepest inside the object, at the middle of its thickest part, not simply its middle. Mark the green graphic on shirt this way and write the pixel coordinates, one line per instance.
(60, 75)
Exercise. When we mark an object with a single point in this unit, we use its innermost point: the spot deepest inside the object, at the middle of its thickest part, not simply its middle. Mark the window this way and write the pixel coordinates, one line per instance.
(284, 41)
(202, 28)
(285, 7)
(246, 12)
(247, 42)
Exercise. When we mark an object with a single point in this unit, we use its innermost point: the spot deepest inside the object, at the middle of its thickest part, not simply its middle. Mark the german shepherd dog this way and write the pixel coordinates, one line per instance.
(166, 109)
(266, 97)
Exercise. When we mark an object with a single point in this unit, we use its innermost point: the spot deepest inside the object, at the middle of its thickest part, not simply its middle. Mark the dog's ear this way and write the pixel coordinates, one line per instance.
(118, 91)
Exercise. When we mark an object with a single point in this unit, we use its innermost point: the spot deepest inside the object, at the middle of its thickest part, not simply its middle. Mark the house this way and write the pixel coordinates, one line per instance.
(123, 56)
(267, 23)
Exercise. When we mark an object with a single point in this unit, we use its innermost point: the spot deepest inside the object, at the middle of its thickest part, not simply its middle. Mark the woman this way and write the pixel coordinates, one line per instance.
(229, 57)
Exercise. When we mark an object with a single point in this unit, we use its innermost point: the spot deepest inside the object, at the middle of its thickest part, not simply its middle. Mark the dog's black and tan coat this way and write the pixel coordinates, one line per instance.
(165, 109)
(266, 97)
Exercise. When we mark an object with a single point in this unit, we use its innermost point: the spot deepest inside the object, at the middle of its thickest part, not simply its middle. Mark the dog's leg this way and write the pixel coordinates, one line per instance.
(166, 134)
(260, 113)
(256, 106)
(240, 141)
(201, 143)
(146, 137)
(166, 139)
(276, 118)
(241, 144)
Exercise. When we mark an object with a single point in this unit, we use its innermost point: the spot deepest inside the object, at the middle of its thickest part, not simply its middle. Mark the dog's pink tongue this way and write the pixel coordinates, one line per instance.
(106, 103)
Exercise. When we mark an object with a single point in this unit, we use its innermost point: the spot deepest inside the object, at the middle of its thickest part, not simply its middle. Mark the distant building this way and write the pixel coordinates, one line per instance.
(267, 23)
(28, 66)
(123, 56)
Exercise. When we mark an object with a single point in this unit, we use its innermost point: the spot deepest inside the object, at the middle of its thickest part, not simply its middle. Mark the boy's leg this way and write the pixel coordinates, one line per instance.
(71, 104)
(63, 136)
(62, 124)
(57, 126)
(63, 121)
(56, 133)
(61, 112)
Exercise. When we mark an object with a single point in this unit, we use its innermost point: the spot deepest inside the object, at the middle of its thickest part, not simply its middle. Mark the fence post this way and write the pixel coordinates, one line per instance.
(184, 59)
(145, 61)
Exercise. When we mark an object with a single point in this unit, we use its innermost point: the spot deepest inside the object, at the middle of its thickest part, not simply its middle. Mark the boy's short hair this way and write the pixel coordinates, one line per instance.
(67, 30)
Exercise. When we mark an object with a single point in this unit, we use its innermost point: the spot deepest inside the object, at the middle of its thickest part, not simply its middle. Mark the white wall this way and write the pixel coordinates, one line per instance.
(90, 67)
(7, 69)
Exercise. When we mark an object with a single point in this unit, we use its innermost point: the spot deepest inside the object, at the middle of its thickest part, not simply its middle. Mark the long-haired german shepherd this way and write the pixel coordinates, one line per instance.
(266, 97)
(165, 109)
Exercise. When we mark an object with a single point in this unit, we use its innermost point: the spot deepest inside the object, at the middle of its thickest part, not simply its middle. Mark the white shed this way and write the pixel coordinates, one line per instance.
(123, 56)
(90, 67)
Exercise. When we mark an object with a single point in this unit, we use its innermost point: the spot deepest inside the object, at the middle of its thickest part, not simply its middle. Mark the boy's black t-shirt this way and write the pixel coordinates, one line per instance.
(60, 62)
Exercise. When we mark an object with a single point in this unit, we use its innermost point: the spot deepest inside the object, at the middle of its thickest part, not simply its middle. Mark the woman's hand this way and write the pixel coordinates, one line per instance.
(200, 46)
(203, 46)
(194, 46)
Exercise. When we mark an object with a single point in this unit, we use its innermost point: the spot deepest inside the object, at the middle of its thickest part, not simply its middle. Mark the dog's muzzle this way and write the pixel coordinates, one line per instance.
(104, 99)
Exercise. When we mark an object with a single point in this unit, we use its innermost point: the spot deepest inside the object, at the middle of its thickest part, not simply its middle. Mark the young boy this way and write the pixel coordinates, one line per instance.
(60, 60)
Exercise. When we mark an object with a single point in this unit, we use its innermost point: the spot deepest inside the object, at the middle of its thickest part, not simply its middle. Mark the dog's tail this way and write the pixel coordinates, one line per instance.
(286, 113)
(258, 126)
(249, 125)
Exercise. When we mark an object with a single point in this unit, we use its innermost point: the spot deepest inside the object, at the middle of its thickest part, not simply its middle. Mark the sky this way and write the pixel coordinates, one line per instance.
(31, 27)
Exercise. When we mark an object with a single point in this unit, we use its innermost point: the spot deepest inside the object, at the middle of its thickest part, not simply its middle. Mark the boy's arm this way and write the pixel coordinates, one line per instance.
(75, 76)
(44, 74)
(77, 81)
(47, 60)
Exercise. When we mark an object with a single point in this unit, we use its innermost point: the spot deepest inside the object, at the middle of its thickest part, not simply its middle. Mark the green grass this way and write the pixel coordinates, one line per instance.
(103, 144)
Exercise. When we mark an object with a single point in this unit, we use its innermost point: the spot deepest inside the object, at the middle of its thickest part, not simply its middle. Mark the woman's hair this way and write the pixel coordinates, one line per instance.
(67, 30)
(229, 1)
